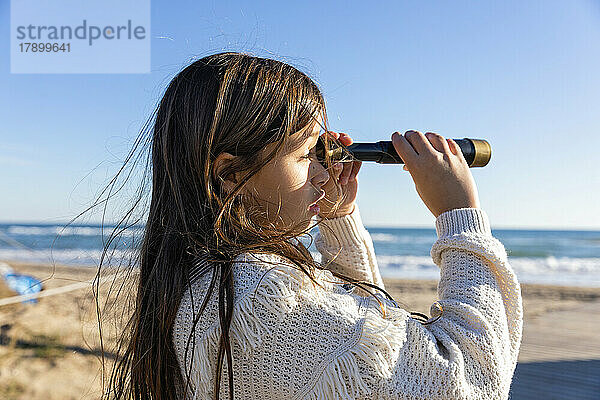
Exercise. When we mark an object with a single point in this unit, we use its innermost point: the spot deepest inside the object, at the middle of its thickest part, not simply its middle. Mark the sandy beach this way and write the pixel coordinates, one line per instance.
(50, 350)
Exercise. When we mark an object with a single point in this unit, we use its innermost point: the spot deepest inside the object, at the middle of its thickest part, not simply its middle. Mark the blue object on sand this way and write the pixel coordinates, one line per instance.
(23, 284)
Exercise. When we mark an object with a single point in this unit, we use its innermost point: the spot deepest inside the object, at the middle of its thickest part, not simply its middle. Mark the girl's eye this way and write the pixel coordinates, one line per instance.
(311, 154)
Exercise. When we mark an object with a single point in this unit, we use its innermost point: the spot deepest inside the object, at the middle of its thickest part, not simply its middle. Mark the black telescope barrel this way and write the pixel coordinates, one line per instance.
(477, 152)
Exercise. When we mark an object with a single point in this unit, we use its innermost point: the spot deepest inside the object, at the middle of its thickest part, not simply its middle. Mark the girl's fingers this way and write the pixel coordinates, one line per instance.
(347, 170)
(404, 149)
(345, 173)
(453, 147)
(420, 143)
(332, 134)
(355, 168)
(350, 172)
(342, 137)
(438, 142)
(345, 139)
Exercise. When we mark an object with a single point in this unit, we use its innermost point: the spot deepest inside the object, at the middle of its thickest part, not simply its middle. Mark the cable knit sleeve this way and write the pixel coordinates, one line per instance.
(470, 350)
(346, 243)
(295, 340)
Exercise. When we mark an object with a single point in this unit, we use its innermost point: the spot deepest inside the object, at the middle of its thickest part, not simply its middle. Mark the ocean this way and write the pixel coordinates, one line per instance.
(538, 256)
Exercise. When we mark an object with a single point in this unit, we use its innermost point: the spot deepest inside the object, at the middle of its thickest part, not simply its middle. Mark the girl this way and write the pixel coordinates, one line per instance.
(231, 304)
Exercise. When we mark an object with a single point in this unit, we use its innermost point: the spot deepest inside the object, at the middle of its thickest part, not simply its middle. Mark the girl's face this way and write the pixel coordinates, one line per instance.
(289, 184)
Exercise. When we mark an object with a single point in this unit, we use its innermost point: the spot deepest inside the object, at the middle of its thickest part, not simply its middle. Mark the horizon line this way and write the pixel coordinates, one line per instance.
(378, 226)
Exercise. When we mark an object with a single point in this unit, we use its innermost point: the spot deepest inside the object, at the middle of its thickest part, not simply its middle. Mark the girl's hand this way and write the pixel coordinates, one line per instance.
(345, 173)
(438, 167)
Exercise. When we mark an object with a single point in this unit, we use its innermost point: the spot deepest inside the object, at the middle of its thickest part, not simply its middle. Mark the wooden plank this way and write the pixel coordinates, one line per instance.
(560, 355)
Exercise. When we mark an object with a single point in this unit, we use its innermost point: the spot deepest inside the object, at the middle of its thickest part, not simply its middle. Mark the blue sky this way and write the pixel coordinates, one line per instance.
(522, 75)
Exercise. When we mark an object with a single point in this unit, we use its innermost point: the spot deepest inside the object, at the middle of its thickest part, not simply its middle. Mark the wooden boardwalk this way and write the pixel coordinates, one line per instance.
(560, 351)
(560, 356)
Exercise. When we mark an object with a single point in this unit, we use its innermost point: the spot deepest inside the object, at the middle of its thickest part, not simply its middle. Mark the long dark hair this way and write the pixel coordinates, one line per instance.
(226, 102)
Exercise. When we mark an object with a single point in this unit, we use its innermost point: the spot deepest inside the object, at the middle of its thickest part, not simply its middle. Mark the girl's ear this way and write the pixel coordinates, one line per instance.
(220, 163)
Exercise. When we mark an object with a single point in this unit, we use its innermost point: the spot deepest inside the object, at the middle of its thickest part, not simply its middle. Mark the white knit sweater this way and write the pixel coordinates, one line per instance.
(294, 340)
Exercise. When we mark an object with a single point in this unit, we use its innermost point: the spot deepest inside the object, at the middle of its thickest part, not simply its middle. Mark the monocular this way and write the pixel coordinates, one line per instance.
(477, 152)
